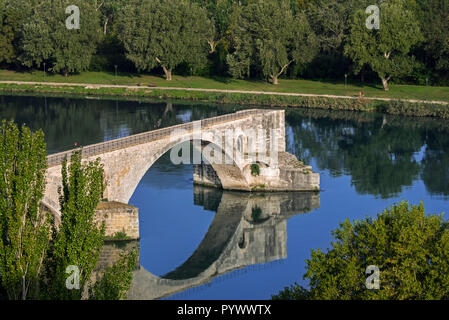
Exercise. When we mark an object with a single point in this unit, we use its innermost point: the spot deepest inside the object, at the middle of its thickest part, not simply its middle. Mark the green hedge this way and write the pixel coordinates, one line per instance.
(422, 109)
(395, 107)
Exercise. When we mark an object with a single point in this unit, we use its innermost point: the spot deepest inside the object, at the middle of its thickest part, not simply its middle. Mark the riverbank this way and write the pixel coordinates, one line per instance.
(296, 86)
(409, 107)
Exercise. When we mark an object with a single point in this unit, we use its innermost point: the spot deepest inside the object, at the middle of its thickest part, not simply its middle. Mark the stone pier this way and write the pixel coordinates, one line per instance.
(121, 220)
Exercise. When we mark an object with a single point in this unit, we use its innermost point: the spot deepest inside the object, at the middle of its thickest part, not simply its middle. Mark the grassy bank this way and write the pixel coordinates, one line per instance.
(213, 97)
(343, 104)
(286, 86)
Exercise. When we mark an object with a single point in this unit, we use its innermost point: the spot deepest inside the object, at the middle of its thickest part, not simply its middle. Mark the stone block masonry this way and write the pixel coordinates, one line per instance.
(119, 218)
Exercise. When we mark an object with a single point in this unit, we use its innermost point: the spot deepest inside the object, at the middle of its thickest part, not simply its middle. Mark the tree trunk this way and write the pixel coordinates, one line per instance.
(105, 26)
(274, 80)
(24, 295)
(167, 73)
(385, 84)
(212, 45)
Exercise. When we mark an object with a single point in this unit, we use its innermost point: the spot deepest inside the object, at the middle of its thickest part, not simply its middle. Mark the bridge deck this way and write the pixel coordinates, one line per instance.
(121, 143)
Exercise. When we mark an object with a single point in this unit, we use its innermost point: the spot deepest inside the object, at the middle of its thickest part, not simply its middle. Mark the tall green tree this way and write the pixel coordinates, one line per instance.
(410, 249)
(24, 229)
(78, 240)
(108, 10)
(270, 37)
(434, 17)
(115, 282)
(6, 34)
(387, 49)
(46, 37)
(13, 15)
(164, 33)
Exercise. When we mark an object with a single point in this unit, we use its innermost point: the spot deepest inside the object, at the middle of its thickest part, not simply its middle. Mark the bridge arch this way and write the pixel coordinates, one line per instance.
(228, 174)
(231, 242)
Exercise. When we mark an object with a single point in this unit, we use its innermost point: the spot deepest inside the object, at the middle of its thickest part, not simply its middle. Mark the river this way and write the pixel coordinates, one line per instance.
(199, 243)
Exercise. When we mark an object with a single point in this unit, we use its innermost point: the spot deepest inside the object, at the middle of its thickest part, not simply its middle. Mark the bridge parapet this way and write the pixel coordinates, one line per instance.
(141, 138)
(126, 160)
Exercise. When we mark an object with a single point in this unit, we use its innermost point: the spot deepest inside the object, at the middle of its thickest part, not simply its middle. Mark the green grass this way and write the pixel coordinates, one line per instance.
(290, 86)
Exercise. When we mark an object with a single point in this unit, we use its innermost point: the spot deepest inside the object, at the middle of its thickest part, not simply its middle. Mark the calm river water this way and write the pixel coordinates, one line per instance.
(198, 243)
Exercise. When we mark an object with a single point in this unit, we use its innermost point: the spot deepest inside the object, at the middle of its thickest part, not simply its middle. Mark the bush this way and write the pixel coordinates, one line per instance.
(410, 249)
(400, 107)
(255, 169)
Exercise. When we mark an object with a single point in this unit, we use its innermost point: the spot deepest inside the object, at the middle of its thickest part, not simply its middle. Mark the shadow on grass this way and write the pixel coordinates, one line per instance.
(224, 80)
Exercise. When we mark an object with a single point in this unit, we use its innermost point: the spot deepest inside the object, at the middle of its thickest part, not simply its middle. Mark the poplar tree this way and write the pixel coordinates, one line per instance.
(24, 229)
(78, 240)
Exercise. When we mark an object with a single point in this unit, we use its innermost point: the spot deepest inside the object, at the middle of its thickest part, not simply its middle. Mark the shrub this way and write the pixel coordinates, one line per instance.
(410, 248)
(421, 109)
(255, 169)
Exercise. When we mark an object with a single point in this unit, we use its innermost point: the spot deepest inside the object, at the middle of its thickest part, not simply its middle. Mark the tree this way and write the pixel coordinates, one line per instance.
(13, 14)
(435, 25)
(24, 229)
(163, 33)
(46, 37)
(219, 13)
(387, 49)
(115, 282)
(78, 240)
(108, 10)
(410, 248)
(6, 35)
(270, 37)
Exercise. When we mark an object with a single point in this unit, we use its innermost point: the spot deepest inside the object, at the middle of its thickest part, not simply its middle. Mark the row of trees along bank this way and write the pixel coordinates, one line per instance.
(267, 39)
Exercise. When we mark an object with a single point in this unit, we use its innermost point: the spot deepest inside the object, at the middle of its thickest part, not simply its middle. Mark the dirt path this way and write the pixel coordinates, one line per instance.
(93, 86)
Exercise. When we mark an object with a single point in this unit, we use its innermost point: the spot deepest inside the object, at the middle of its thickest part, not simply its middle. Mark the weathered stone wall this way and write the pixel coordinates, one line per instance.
(118, 217)
(206, 175)
(111, 251)
(125, 167)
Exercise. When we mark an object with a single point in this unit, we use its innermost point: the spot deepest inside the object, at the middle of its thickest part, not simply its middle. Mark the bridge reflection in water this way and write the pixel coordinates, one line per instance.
(248, 229)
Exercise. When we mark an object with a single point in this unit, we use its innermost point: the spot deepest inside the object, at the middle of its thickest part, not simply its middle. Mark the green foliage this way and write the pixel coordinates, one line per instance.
(119, 235)
(422, 109)
(163, 33)
(255, 169)
(6, 34)
(115, 282)
(385, 51)
(269, 37)
(410, 248)
(434, 21)
(32, 32)
(47, 39)
(256, 213)
(24, 229)
(78, 240)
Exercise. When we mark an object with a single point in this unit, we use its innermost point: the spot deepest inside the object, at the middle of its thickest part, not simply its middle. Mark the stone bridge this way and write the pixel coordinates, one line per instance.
(248, 229)
(240, 151)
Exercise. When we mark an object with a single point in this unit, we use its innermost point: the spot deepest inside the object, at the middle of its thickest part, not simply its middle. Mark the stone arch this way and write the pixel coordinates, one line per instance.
(46, 206)
(230, 175)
